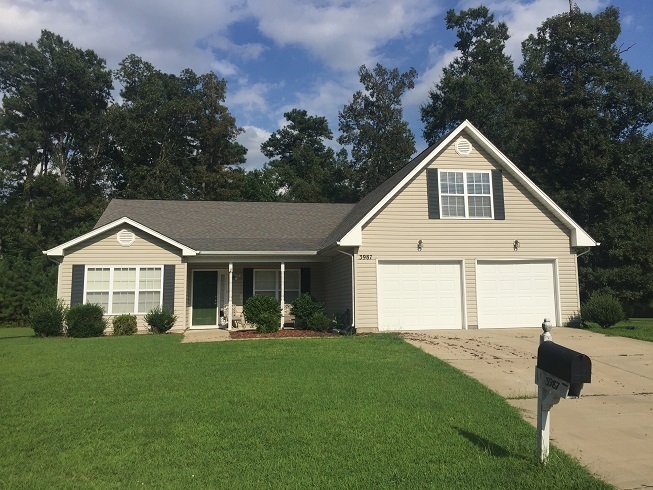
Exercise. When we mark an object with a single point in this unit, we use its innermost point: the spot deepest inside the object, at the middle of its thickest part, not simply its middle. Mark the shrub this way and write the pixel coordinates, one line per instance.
(46, 317)
(85, 321)
(305, 307)
(160, 321)
(264, 312)
(124, 325)
(318, 321)
(603, 309)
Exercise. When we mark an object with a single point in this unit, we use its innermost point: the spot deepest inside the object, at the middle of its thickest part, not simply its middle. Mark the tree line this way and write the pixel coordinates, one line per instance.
(573, 116)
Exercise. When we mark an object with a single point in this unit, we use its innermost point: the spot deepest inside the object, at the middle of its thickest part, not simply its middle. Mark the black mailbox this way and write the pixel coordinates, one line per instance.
(568, 365)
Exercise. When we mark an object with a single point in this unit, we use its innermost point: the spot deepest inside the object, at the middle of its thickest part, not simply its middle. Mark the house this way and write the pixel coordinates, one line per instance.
(459, 238)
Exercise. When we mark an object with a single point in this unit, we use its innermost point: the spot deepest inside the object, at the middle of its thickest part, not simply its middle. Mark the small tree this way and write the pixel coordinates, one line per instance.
(159, 320)
(85, 321)
(46, 317)
(305, 306)
(264, 312)
(124, 325)
(602, 309)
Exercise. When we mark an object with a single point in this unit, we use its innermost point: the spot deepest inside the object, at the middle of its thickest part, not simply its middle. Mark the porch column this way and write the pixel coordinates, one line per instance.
(283, 287)
(231, 284)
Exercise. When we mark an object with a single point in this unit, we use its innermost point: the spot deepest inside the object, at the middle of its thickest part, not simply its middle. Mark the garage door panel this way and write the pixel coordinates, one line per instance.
(428, 295)
(515, 294)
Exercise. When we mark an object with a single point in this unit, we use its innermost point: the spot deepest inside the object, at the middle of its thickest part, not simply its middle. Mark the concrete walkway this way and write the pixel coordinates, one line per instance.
(208, 335)
(609, 429)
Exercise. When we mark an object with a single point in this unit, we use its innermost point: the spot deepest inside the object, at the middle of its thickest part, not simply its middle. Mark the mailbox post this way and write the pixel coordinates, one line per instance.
(560, 373)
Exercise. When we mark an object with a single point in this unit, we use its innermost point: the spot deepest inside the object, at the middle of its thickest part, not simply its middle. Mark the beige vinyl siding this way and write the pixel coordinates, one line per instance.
(104, 249)
(394, 232)
(337, 285)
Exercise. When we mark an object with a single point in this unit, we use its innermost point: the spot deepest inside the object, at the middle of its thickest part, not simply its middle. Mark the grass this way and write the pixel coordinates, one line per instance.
(351, 412)
(11, 332)
(634, 328)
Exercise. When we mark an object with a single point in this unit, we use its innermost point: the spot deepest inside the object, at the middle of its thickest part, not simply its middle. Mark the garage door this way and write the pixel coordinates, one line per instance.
(419, 295)
(515, 294)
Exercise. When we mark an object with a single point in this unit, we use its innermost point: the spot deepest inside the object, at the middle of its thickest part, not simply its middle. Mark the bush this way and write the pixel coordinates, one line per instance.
(264, 312)
(306, 307)
(319, 322)
(85, 321)
(603, 309)
(160, 321)
(46, 317)
(124, 325)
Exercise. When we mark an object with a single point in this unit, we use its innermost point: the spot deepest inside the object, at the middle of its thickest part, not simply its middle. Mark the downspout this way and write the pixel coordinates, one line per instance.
(353, 288)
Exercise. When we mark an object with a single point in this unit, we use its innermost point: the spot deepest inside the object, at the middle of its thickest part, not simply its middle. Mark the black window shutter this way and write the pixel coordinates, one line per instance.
(77, 286)
(306, 280)
(497, 191)
(433, 192)
(169, 287)
(248, 283)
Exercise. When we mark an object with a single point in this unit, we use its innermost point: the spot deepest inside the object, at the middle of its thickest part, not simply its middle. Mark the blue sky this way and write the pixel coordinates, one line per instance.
(277, 55)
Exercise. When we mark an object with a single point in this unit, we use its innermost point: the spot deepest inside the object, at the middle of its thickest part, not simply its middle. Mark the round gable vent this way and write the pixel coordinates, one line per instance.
(463, 147)
(126, 237)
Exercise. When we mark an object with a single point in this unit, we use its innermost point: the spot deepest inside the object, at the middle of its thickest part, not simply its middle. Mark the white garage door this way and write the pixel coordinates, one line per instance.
(416, 295)
(515, 294)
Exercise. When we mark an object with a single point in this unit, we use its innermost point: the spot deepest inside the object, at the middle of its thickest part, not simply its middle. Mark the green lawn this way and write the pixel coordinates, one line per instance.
(350, 412)
(9, 332)
(635, 328)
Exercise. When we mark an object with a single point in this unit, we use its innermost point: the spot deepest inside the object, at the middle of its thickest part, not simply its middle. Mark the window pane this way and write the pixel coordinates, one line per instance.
(267, 293)
(452, 183)
(478, 183)
(149, 278)
(124, 278)
(479, 207)
(265, 281)
(100, 298)
(291, 280)
(148, 300)
(290, 296)
(123, 302)
(453, 206)
(97, 279)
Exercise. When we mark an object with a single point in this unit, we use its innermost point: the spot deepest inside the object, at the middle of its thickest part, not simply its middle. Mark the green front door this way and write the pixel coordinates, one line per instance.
(205, 298)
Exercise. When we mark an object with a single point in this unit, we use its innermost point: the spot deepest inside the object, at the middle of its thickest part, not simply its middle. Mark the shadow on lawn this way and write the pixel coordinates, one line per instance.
(486, 445)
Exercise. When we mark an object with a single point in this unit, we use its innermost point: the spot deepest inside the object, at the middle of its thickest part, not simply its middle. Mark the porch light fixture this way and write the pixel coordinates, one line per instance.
(420, 245)
(515, 245)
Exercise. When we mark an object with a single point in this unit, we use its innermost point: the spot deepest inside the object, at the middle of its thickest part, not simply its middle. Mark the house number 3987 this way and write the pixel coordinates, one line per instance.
(364, 257)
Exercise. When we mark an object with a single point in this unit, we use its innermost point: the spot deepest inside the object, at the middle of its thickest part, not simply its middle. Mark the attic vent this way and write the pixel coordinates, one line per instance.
(463, 147)
(126, 237)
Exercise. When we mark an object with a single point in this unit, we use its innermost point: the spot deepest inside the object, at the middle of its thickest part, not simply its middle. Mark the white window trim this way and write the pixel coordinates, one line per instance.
(277, 282)
(466, 195)
(111, 290)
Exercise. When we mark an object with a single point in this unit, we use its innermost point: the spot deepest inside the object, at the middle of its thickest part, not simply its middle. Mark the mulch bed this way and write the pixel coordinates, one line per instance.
(281, 334)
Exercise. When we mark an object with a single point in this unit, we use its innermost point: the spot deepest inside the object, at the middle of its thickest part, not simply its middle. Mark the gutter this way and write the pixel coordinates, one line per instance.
(257, 252)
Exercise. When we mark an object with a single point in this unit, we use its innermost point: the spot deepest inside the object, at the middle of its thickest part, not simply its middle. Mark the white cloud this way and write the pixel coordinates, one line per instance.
(164, 32)
(224, 68)
(440, 58)
(252, 139)
(344, 35)
(249, 97)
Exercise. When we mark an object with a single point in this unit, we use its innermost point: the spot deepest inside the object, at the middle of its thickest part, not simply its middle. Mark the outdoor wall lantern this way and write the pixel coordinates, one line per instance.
(420, 245)
(515, 245)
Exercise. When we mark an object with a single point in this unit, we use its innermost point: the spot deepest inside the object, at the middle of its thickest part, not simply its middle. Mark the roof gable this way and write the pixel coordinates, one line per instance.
(349, 233)
(59, 251)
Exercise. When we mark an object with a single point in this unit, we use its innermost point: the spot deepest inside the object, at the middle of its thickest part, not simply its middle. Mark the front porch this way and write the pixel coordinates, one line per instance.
(217, 292)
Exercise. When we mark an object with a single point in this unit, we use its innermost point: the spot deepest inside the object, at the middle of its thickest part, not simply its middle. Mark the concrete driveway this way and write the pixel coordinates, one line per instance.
(609, 429)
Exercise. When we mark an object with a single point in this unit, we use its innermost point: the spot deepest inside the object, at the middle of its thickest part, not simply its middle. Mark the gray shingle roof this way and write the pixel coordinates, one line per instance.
(254, 226)
(234, 226)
